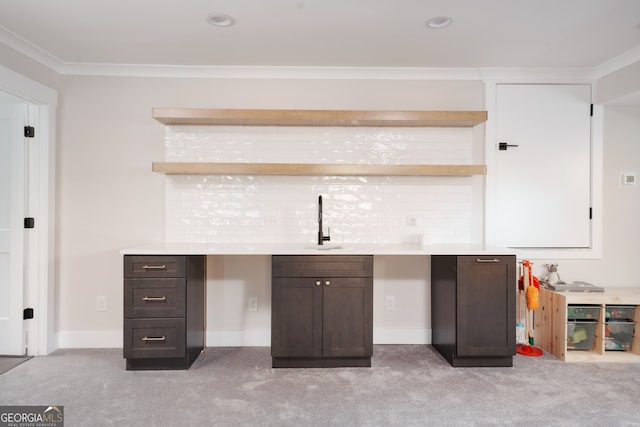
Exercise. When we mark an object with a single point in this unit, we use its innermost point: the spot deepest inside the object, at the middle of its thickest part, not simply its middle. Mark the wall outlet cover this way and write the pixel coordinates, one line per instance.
(252, 304)
(390, 303)
(101, 303)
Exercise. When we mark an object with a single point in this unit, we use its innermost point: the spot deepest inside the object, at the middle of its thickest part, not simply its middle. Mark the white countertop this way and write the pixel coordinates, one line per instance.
(310, 249)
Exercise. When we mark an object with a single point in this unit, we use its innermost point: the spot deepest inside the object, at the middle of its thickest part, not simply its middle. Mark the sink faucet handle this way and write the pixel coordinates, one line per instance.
(328, 236)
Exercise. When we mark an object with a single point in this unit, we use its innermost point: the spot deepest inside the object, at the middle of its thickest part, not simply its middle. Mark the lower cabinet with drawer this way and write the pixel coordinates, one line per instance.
(473, 304)
(322, 311)
(164, 311)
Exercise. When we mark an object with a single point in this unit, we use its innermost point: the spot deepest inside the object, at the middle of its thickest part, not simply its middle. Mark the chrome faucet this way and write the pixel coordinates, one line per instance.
(321, 238)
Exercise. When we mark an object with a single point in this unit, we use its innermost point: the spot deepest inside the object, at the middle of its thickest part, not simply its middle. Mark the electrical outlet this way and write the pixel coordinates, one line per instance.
(101, 303)
(252, 304)
(390, 303)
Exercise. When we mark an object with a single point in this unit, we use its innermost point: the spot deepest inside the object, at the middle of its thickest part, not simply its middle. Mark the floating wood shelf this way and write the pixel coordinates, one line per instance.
(374, 118)
(352, 118)
(196, 168)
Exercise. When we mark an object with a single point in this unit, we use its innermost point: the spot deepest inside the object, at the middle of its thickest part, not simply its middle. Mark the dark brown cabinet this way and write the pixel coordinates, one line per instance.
(164, 311)
(322, 310)
(473, 300)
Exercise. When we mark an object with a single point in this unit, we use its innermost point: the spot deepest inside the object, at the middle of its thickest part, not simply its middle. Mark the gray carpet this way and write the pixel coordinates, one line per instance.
(408, 385)
(9, 362)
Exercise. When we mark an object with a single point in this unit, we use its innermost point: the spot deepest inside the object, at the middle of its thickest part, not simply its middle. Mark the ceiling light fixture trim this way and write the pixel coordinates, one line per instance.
(439, 22)
(220, 20)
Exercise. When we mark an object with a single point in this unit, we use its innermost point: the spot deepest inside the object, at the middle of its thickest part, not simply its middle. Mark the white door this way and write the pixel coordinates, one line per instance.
(543, 179)
(12, 200)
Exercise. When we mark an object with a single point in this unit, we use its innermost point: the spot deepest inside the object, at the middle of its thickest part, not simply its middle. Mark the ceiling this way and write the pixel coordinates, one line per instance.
(323, 33)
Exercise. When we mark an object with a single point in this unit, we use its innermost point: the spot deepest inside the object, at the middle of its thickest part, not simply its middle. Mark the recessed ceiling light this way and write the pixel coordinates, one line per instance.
(439, 22)
(221, 20)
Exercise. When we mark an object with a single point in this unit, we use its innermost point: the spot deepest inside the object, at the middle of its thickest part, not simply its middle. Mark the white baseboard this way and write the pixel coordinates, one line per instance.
(262, 337)
(248, 338)
(401, 336)
(90, 339)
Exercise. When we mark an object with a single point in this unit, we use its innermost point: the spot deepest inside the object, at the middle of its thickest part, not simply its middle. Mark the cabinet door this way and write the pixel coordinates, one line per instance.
(347, 317)
(486, 306)
(296, 317)
(543, 186)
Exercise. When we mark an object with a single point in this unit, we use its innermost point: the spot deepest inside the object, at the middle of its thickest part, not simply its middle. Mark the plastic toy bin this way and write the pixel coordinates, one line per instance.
(618, 334)
(583, 312)
(626, 312)
(580, 334)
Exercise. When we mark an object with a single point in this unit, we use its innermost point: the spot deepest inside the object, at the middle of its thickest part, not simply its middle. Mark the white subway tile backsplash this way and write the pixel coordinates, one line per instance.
(203, 208)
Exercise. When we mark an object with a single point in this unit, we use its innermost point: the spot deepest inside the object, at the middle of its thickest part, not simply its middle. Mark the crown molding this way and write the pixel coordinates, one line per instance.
(619, 62)
(43, 57)
(237, 72)
(538, 75)
(335, 73)
(255, 72)
(32, 51)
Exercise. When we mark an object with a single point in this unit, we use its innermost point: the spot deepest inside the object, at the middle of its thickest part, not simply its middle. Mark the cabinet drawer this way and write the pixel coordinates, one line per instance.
(162, 297)
(154, 266)
(322, 266)
(154, 338)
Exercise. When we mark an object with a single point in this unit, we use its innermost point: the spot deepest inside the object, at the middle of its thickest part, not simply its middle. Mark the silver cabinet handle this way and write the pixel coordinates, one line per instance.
(154, 298)
(154, 267)
(162, 338)
(487, 260)
(318, 283)
(327, 282)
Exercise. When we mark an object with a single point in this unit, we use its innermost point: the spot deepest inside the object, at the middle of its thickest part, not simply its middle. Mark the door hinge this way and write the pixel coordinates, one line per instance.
(28, 313)
(29, 222)
(29, 131)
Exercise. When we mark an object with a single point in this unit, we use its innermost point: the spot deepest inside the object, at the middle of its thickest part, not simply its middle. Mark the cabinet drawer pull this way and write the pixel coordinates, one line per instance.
(318, 283)
(487, 260)
(154, 267)
(154, 298)
(327, 282)
(158, 339)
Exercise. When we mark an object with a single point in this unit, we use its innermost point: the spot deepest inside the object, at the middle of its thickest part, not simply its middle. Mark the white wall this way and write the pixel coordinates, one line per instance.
(619, 85)
(108, 198)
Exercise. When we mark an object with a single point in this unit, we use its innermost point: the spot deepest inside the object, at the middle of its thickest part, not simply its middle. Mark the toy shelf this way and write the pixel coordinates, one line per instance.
(550, 324)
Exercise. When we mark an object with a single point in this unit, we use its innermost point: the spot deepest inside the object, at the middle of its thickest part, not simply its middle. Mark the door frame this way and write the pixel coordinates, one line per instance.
(597, 145)
(39, 291)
